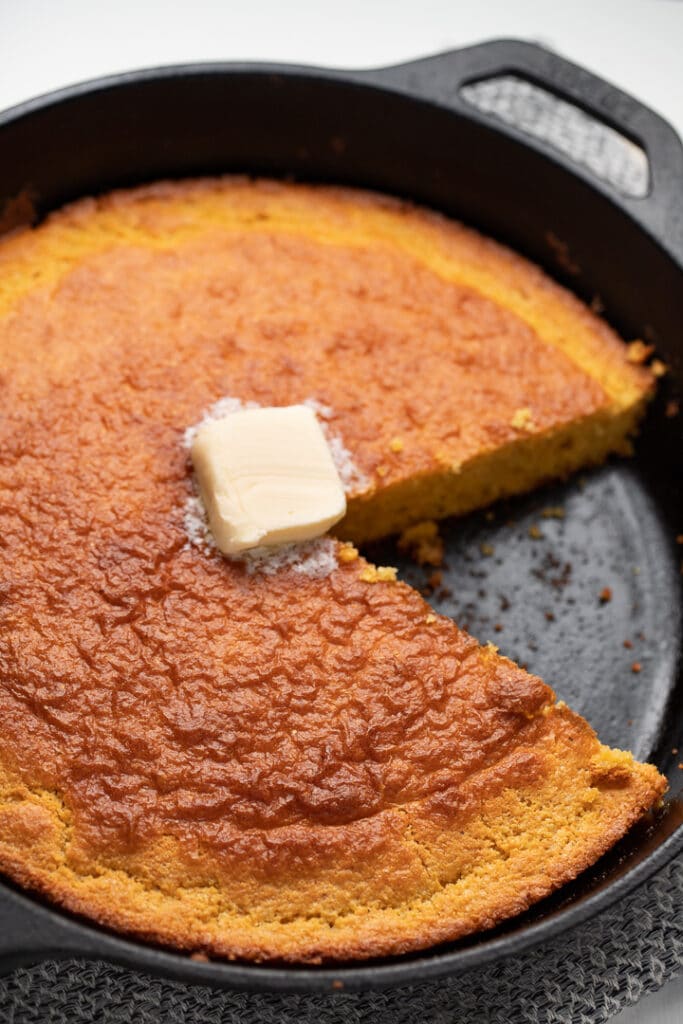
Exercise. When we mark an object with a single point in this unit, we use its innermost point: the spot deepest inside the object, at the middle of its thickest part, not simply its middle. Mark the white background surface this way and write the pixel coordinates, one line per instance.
(637, 44)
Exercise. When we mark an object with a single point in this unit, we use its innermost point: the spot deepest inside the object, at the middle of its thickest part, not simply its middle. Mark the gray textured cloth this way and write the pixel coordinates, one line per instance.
(583, 978)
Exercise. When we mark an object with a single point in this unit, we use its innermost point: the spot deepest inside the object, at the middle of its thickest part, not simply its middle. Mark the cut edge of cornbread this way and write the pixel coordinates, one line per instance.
(515, 468)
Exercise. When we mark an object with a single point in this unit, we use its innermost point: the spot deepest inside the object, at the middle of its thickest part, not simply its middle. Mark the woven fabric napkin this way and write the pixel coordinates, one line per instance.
(582, 978)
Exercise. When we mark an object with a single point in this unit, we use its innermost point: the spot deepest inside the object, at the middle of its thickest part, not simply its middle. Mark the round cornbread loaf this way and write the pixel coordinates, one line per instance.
(292, 765)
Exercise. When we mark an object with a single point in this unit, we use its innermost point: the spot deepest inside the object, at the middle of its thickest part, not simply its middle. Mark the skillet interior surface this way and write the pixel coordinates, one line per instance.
(406, 131)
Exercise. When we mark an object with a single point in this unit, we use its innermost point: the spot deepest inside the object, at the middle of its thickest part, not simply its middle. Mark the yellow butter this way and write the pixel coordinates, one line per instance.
(266, 476)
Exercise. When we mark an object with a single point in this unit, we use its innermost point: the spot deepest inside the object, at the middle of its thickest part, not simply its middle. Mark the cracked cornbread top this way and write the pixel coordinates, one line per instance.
(283, 765)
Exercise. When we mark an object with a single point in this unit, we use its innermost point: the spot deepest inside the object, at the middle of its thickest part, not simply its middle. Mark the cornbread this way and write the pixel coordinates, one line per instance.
(247, 759)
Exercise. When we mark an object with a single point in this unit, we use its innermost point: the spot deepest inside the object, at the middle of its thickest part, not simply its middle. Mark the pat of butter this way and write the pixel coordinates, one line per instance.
(266, 476)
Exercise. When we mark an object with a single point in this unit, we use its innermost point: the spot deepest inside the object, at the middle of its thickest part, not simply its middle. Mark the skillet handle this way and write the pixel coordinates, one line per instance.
(441, 78)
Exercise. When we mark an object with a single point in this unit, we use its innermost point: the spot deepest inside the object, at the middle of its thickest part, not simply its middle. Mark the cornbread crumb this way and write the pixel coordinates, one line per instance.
(378, 574)
(553, 512)
(523, 420)
(423, 543)
(430, 618)
(535, 532)
(613, 764)
(638, 352)
(659, 368)
(487, 550)
(562, 253)
(435, 580)
(608, 757)
(347, 552)
(396, 445)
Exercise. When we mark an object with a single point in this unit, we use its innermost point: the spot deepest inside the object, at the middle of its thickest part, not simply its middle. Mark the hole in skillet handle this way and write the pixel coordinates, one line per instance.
(515, 100)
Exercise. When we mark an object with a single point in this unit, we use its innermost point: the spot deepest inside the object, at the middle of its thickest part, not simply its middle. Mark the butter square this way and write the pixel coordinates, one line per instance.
(266, 476)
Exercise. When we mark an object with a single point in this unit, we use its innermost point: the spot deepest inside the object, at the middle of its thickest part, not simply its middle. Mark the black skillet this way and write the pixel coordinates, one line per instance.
(408, 130)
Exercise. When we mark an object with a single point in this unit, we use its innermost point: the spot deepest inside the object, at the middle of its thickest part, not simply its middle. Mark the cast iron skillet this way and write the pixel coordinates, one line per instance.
(408, 130)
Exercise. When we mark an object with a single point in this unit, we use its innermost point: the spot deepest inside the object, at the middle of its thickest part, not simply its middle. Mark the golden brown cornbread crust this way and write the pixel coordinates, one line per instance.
(283, 767)
(414, 875)
(580, 400)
